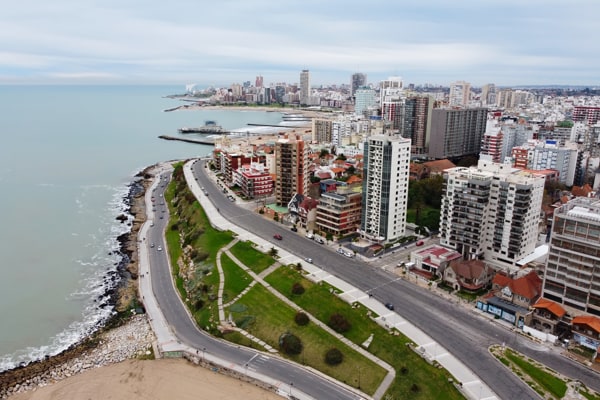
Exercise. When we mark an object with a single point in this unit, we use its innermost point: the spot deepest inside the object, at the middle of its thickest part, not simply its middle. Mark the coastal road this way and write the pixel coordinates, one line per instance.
(466, 334)
(183, 327)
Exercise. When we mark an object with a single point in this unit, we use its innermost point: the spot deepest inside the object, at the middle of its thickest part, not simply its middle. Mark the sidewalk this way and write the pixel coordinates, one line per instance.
(469, 383)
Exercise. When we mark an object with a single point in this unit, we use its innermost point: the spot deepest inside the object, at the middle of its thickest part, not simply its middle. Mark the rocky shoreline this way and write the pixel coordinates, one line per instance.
(125, 335)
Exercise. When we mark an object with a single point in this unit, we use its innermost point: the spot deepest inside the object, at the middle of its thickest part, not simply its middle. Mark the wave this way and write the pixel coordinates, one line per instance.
(99, 281)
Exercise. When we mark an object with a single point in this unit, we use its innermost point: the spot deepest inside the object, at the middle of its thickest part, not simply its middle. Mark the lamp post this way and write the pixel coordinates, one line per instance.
(291, 386)
(203, 354)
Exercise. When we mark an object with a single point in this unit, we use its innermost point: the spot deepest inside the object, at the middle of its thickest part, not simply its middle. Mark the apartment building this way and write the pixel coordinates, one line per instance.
(291, 168)
(572, 276)
(491, 212)
(385, 186)
(253, 180)
(339, 212)
(456, 132)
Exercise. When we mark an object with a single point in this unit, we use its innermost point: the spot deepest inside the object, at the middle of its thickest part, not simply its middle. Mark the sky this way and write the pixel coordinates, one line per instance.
(220, 42)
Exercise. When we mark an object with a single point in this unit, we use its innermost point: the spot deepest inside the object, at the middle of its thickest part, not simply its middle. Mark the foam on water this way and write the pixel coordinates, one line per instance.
(99, 276)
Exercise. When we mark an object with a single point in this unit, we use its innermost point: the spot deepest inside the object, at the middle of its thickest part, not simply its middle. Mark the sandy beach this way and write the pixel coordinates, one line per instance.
(148, 380)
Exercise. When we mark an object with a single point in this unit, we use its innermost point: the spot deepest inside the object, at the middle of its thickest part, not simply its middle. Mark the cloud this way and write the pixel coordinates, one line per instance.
(182, 40)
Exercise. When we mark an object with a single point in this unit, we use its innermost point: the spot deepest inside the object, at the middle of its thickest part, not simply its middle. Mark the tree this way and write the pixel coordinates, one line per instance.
(273, 252)
(324, 153)
(297, 288)
(290, 344)
(339, 323)
(334, 356)
(301, 318)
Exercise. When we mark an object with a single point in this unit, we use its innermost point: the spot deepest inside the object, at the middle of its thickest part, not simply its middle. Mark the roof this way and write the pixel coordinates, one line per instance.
(468, 269)
(551, 306)
(581, 191)
(528, 286)
(353, 179)
(591, 321)
(505, 305)
(438, 166)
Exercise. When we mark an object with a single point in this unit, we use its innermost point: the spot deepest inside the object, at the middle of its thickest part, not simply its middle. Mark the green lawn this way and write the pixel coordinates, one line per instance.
(556, 386)
(268, 323)
(252, 258)
(411, 369)
(236, 279)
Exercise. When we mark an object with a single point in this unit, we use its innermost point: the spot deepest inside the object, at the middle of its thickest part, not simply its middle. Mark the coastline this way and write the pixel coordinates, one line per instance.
(121, 295)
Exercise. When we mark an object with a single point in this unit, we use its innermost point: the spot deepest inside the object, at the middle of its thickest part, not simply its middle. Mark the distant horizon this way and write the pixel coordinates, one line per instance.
(510, 43)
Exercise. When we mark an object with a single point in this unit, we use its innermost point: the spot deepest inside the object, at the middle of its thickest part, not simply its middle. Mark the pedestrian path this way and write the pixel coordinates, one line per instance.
(468, 382)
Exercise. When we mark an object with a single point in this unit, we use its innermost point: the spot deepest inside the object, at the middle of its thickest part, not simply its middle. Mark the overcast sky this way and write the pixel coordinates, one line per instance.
(218, 42)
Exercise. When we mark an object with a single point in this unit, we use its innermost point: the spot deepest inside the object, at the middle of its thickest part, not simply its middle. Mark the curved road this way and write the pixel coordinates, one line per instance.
(180, 322)
(463, 333)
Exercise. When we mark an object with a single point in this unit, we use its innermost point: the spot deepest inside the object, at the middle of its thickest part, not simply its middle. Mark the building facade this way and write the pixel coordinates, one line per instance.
(572, 275)
(491, 212)
(291, 169)
(339, 212)
(385, 187)
(460, 94)
(456, 132)
(254, 180)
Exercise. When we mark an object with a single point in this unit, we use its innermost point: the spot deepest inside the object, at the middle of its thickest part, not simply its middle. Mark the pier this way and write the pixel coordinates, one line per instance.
(207, 141)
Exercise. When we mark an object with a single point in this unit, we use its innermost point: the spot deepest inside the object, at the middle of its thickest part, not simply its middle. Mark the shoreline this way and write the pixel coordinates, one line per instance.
(120, 294)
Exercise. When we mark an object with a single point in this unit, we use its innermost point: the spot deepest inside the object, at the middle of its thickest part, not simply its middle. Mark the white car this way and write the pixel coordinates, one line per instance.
(159, 248)
(308, 260)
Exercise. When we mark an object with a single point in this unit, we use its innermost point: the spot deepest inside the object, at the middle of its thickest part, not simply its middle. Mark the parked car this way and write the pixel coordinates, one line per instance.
(277, 236)
(320, 240)
(389, 306)
(308, 260)
(420, 243)
(294, 229)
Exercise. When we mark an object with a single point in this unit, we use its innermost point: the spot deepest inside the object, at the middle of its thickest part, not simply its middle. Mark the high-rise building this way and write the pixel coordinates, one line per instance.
(456, 132)
(365, 101)
(572, 276)
(305, 87)
(488, 95)
(259, 81)
(358, 80)
(416, 124)
(491, 212)
(540, 155)
(339, 212)
(390, 89)
(460, 93)
(291, 169)
(385, 187)
(322, 130)
(588, 114)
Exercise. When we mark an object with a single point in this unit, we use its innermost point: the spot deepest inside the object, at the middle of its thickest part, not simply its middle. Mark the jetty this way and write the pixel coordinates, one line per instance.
(207, 141)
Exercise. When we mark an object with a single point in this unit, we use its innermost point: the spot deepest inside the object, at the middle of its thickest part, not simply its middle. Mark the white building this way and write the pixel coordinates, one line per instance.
(305, 87)
(491, 212)
(365, 101)
(460, 93)
(385, 188)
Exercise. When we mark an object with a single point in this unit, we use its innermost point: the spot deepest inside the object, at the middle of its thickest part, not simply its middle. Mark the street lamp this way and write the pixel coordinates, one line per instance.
(291, 386)
(203, 354)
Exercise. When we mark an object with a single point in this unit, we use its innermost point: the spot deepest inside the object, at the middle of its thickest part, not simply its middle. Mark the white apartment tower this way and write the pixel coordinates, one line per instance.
(491, 212)
(385, 188)
(460, 93)
(304, 87)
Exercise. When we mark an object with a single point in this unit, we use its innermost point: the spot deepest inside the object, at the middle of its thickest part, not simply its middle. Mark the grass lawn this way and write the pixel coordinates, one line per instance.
(415, 378)
(268, 323)
(236, 279)
(252, 258)
(556, 386)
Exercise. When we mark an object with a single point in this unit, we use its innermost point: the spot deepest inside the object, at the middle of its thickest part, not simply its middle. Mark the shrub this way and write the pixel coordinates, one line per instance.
(339, 323)
(297, 288)
(301, 318)
(290, 343)
(415, 388)
(334, 356)
(404, 370)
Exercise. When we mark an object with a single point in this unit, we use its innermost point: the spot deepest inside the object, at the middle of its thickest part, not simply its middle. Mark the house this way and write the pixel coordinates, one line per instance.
(586, 331)
(438, 167)
(549, 317)
(469, 275)
(433, 259)
(511, 298)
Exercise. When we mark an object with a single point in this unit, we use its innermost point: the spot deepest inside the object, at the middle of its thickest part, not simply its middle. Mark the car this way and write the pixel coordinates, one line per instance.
(420, 243)
(309, 235)
(308, 260)
(389, 306)
(151, 224)
(152, 245)
(277, 236)
(161, 217)
(294, 229)
(340, 250)
(320, 240)
(159, 248)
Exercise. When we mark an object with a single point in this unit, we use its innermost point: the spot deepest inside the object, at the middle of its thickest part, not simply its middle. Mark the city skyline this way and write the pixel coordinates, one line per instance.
(504, 42)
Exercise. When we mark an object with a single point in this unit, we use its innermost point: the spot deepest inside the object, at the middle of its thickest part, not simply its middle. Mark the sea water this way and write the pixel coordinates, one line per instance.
(67, 156)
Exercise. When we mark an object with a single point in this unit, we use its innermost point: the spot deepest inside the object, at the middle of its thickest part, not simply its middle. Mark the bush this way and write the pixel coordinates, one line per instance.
(415, 388)
(297, 288)
(301, 318)
(334, 356)
(339, 323)
(290, 344)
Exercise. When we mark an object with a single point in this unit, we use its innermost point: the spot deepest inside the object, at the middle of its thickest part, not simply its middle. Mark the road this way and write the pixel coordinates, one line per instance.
(186, 331)
(462, 332)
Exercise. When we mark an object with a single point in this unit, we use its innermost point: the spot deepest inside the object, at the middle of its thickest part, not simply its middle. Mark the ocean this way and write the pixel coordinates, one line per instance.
(67, 157)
